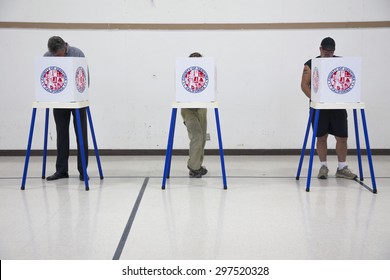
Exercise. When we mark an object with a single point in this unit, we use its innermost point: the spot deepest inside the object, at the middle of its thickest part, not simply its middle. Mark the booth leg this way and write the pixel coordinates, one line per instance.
(94, 143)
(45, 143)
(358, 145)
(168, 155)
(220, 148)
(304, 143)
(173, 126)
(81, 143)
(317, 115)
(368, 151)
(30, 137)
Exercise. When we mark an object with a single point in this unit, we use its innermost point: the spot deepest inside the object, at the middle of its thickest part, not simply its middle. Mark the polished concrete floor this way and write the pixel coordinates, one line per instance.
(264, 214)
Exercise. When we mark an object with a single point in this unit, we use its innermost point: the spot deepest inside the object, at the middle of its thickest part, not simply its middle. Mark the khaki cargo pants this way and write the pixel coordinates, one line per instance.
(195, 119)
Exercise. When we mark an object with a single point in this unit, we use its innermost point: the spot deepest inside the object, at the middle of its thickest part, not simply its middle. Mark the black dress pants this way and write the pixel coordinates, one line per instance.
(62, 120)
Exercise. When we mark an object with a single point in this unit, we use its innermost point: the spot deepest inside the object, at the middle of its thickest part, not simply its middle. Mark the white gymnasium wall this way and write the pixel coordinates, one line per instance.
(132, 71)
(194, 11)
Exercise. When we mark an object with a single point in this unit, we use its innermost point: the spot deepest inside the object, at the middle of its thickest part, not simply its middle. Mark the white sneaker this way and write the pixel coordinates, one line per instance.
(323, 173)
(345, 173)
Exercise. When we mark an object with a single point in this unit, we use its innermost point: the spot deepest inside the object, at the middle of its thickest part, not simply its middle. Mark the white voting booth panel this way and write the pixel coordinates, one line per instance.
(61, 79)
(336, 80)
(195, 79)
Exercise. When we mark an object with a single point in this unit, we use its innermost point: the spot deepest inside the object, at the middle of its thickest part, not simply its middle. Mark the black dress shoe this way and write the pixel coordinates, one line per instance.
(57, 176)
(82, 177)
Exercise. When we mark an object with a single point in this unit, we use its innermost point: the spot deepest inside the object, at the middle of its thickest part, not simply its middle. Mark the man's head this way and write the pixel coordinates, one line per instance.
(327, 47)
(57, 46)
(195, 54)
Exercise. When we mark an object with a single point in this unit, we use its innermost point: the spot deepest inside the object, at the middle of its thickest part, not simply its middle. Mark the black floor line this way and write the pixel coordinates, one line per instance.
(127, 229)
(365, 186)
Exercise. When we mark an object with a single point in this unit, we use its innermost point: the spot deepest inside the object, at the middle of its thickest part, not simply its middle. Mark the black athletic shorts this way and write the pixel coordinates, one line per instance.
(333, 121)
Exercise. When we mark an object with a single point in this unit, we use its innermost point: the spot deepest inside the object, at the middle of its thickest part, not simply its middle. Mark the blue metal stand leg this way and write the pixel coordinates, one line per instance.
(30, 137)
(317, 115)
(368, 151)
(45, 143)
(220, 148)
(173, 125)
(304, 144)
(168, 155)
(94, 143)
(358, 145)
(81, 143)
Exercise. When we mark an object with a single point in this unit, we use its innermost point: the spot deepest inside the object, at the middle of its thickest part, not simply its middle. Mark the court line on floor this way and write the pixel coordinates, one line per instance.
(130, 221)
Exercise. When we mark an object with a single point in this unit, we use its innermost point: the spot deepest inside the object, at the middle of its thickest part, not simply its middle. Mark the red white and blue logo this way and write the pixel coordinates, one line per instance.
(341, 80)
(81, 80)
(195, 79)
(54, 79)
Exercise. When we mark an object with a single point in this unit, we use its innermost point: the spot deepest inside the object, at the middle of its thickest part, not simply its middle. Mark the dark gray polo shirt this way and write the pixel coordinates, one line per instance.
(70, 52)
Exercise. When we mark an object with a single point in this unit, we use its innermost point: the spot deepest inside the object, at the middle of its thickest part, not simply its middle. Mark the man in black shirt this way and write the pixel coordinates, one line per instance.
(331, 121)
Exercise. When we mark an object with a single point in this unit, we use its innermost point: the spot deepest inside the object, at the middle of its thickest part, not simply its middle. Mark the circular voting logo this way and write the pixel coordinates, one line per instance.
(195, 79)
(53, 79)
(341, 80)
(81, 80)
(316, 80)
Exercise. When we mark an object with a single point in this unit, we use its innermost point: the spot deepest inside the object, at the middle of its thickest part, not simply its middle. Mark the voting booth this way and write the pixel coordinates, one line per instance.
(195, 79)
(336, 80)
(336, 84)
(61, 83)
(61, 79)
(195, 88)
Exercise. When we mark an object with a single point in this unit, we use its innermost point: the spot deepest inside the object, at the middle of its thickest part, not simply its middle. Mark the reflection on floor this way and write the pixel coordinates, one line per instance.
(264, 214)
